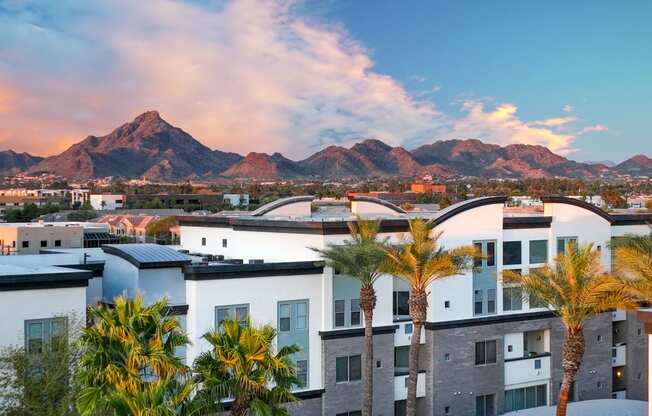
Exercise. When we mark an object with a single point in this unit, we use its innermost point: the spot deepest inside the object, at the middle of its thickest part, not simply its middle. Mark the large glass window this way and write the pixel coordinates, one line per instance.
(485, 405)
(339, 313)
(491, 300)
(511, 252)
(401, 303)
(485, 352)
(285, 310)
(477, 260)
(401, 359)
(237, 312)
(563, 242)
(477, 302)
(355, 312)
(538, 251)
(512, 298)
(491, 254)
(348, 368)
(40, 333)
(526, 398)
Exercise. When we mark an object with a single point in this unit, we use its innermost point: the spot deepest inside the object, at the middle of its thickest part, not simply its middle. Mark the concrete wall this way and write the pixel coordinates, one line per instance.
(636, 371)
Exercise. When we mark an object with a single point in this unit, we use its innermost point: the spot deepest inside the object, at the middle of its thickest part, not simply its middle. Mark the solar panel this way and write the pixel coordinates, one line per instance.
(150, 253)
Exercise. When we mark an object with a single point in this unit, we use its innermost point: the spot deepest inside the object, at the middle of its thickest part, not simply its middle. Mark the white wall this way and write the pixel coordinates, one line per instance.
(262, 294)
(20, 305)
(110, 201)
(154, 284)
(522, 371)
(516, 341)
(120, 278)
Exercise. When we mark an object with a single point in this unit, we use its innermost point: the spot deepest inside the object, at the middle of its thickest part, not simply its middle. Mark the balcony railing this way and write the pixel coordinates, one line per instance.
(400, 386)
(619, 355)
(527, 369)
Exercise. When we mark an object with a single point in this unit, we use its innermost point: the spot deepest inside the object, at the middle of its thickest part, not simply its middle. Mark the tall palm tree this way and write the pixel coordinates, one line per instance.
(242, 365)
(361, 257)
(633, 261)
(575, 288)
(419, 261)
(128, 354)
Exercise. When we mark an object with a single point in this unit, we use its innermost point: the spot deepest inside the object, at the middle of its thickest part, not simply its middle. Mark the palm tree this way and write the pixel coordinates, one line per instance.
(128, 355)
(633, 261)
(419, 261)
(575, 289)
(242, 365)
(361, 257)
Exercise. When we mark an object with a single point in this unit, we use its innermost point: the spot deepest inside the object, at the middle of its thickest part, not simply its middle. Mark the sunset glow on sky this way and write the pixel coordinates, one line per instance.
(295, 76)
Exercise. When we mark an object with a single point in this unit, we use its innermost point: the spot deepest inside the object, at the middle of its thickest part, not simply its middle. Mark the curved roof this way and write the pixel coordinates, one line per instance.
(386, 204)
(148, 256)
(462, 206)
(280, 203)
(557, 199)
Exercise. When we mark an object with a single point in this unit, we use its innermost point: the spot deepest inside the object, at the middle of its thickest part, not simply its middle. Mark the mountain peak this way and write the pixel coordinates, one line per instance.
(148, 117)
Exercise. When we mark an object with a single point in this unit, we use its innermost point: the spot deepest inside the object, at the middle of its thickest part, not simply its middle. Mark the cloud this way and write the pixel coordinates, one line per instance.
(591, 129)
(241, 75)
(568, 108)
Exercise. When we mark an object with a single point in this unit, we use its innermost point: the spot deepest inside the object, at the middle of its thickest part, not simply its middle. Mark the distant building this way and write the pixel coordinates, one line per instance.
(397, 198)
(80, 196)
(427, 188)
(32, 237)
(237, 200)
(188, 202)
(17, 202)
(101, 202)
(134, 226)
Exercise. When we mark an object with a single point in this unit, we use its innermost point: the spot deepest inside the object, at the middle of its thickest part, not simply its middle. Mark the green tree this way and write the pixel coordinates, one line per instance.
(361, 257)
(633, 261)
(40, 383)
(128, 364)
(242, 365)
(160, 229)
(419, 261)
(576, 289)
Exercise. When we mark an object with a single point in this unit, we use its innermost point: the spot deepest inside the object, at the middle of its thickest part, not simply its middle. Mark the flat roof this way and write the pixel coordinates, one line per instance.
(148, 256)
(41, 277)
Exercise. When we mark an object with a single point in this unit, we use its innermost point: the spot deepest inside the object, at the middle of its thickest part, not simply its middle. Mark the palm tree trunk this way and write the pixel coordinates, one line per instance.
(240, 406)
(573, 352)
(368, 304)
(418, 309)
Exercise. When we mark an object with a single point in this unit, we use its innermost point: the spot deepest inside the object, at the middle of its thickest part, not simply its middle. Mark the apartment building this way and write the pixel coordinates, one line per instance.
(33, 237)
(486, 350)
(188, 202)
(101, 202)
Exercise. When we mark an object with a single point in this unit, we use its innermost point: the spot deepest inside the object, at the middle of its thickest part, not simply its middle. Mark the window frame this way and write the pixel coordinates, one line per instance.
(47, 331)
(349, 359)
(353, 311)
(235, 308)
(484, 344)
(545, 246)
(507, 260)
(339, 314)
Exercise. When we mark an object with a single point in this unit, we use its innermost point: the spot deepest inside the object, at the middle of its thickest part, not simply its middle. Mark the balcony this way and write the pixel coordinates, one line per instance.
(400, 386)
(622, 394)
(618, 315)
(527, 370)
(403, 335)
(619, 355)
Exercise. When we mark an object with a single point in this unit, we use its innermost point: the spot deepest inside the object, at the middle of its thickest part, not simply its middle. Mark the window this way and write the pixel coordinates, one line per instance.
(41, 332)
(57, 243)
(25, 244)
(409, 328)
(302, 372)
(284, 317)
(237, 312)
(339, 313)
(511, 252)
(44, 243)
(203, 241)
(447, 304)
(537, 364)
(526, 397)
(224, 242)
(302, 316)
(355, 312)
(563, 242)
(477, 302)
(510, 348)
(401, 359)
(491, 254)
(512, 298)
(477, 260)
(400, 408)
(447, 410)
(485, 352)
(348, 369)
(485, 406)
(535, 302)
(354, 413)
(538, 251)
(447, 357)
(491, 300)
(401, 303)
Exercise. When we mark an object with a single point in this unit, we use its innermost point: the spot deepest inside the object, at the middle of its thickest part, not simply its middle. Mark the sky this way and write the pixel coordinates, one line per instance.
(294, 76)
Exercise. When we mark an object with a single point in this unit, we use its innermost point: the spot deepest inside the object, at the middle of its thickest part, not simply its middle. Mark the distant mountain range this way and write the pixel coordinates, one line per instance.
(150, 147)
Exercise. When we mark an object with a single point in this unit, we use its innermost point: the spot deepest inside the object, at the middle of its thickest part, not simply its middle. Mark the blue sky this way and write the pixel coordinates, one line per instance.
(296, 76)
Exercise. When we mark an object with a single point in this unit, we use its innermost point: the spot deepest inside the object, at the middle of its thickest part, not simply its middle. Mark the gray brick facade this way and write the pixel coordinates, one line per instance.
(346, 397)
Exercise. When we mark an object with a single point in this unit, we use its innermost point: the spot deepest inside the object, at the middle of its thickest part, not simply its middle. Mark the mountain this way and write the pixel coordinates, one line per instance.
(639, 165)
(146, 147)
(152, 148)
(263, 166)
(12, 162)
(475, 158)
